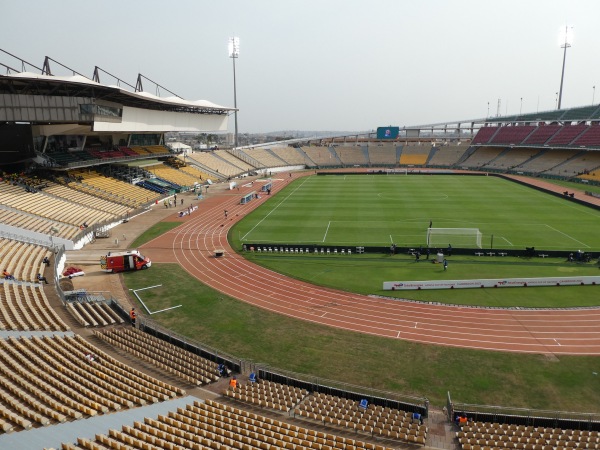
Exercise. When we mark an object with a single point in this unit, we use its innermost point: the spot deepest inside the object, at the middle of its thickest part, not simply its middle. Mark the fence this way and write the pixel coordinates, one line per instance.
(527, 417)
(344, 390)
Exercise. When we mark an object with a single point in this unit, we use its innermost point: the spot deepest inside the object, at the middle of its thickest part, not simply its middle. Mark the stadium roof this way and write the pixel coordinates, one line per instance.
(581, 113)
(78, 86)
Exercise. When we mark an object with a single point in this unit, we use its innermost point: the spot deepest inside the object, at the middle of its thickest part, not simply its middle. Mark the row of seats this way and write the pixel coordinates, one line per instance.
(195, 172)
(112, 189)
(214, 426)
(22, 260)
(555, 135)
(413, 160)
(447, 156)
(64, 157)
(352, 155)
(172, 175)
(384, 155)
(51, 207)
(233, 160)
(94, 314)
(291, 156)
(496, 435)
(409, 155)
(214, 164)
(322, 156)
(265, 157)
(50, 380)
(28, 221)
(373, 419)
(268, 394)
(26, 307)
(182, 363)
(150, 149)
(87, 199)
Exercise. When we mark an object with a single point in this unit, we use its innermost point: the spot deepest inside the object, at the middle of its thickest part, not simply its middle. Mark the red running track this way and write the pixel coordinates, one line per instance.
(192, 245)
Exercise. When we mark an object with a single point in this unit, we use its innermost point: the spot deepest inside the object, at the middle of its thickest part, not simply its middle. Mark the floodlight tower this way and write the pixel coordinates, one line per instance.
(565, 43)
(234, 52)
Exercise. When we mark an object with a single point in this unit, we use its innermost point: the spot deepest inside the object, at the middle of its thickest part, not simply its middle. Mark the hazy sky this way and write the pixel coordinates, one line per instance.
(344, 65)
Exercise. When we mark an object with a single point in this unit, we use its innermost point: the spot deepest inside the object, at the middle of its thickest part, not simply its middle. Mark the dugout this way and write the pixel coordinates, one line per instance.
(267, 187)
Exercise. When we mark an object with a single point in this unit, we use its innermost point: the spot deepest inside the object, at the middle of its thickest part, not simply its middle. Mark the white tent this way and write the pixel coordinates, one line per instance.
(179, 147)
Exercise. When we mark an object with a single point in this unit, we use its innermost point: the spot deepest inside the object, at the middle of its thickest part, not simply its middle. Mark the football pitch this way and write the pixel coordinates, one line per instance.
(380, 210)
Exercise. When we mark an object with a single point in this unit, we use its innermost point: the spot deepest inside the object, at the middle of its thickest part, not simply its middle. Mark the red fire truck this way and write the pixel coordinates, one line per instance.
(122, 261)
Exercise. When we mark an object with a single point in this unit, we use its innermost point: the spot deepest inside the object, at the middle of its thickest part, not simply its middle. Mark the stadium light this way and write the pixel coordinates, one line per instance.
(521, 108)
(234, 53)
(593, 94)
(566, 38)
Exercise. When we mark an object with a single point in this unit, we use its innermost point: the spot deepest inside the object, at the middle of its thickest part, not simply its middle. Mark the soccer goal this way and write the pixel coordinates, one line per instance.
(457, 237)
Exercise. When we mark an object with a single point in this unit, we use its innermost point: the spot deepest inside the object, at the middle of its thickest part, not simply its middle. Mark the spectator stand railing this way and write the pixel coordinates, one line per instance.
(311, 383)
(151, 327)
(527, 417)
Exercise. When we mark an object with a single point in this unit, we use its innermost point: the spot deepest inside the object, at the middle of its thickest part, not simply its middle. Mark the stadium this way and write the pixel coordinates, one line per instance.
(256, 249)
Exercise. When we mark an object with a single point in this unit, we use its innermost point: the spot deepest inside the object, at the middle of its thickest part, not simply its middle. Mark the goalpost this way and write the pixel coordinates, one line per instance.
(457, 237)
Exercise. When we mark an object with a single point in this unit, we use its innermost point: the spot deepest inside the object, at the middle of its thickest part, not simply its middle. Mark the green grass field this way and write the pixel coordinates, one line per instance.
(377, 210)
(337, 208)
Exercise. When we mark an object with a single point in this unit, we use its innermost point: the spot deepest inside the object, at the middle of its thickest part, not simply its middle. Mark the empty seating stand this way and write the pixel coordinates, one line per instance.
(211, 425)
(181, 363)
(267, 394)
(373, 420)
(503, 435)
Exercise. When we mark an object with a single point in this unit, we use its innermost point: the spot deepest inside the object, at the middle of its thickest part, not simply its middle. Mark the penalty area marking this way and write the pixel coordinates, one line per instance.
(509, 243)
(135, 292)
(566, 235)
(326, 231)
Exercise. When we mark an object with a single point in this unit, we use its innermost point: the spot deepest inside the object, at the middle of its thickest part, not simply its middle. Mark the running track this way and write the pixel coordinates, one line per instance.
(192, 245)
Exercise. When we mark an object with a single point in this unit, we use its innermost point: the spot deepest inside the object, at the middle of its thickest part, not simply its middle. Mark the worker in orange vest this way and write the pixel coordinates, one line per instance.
(132, 316)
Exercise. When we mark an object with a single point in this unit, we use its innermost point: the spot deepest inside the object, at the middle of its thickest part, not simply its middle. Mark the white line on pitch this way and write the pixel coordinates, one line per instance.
(557, 342)
(391, 240)
(398, 335)
(261, 221)
(565, 234)
(324, 314)
(326, 231)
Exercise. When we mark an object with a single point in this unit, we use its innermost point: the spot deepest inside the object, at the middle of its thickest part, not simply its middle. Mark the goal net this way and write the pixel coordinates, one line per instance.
(456, 237)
